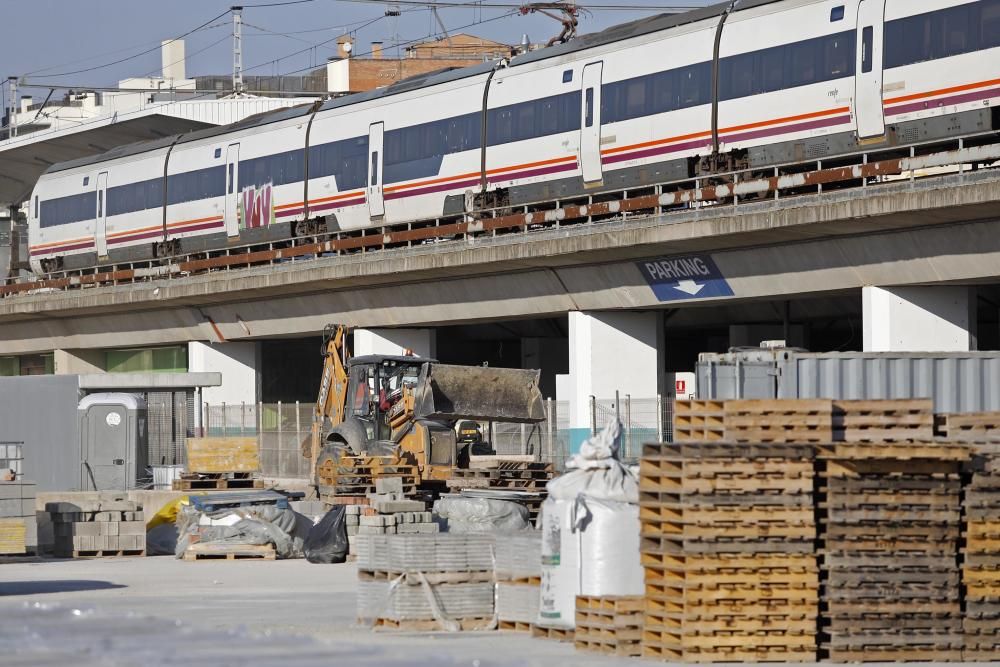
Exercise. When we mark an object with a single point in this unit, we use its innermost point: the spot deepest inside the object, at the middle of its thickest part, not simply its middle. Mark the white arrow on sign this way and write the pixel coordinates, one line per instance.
(688, 287)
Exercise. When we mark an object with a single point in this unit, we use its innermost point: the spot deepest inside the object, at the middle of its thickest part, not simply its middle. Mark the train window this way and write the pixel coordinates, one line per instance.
(589, 112)
(695, 82)
(736, 76)
(989, 24)
(218, 153)
(230, 177)
(374, 170)
(839, 56)
(66, 210)
(86, 181)
(802, 64)
(100, 205)
(635, 97)
(955, 31)
(837, 14)
(867, 49)
(36, 207)
(772, 64)
(664, 93)
(567, 76)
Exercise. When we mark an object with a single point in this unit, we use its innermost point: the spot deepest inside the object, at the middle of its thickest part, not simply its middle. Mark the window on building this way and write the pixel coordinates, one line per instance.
(172, 359)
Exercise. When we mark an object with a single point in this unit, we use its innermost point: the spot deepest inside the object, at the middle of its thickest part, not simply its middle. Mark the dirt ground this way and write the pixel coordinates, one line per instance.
(161, 611)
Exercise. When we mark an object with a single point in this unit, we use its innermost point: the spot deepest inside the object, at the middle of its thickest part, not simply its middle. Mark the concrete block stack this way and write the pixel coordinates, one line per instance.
(388, 512)
(100, 527)
(890, 545)
(426, 582)
(18, 527)
(728, 549)
(981, 561)
(519, 578)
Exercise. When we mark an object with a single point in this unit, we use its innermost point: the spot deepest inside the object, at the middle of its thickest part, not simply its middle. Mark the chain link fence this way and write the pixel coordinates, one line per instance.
(281, 430)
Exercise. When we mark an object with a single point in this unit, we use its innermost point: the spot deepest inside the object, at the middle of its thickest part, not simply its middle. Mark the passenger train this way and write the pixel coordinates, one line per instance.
(741, 84)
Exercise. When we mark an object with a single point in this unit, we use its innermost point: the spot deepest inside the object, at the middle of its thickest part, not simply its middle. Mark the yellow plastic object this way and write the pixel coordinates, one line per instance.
(167, 513)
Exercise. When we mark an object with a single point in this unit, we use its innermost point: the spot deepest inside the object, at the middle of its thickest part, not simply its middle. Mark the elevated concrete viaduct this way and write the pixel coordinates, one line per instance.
(906, 251)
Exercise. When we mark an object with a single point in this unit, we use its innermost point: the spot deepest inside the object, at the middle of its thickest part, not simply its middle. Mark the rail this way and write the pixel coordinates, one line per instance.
(855, 170)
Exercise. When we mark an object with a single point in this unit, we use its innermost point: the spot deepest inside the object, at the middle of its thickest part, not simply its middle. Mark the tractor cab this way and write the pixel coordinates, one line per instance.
(375, 384)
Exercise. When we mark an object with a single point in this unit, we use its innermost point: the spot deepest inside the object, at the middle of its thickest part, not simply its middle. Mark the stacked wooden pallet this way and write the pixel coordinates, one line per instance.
(754, 421)
(728, 534)
(883, 420)
(353, 477)
(969, 426)
(891, 515)
(981, 563)
(18, 527)
(527, 476)
(610, 625)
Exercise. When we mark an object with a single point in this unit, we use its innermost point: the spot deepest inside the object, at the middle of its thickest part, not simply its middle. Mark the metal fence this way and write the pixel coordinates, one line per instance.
(281, 430)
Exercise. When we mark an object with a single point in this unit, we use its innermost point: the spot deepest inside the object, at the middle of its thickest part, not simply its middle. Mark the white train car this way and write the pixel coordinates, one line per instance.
(737, 85)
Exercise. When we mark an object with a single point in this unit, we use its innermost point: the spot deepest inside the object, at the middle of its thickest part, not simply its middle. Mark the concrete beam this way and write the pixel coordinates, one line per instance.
(936, 231)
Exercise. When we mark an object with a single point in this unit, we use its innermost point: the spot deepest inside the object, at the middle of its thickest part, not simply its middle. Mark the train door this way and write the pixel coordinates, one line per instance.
(232, 212)
(376, 202)
(590, 125)
(868, 70)
(101, 219)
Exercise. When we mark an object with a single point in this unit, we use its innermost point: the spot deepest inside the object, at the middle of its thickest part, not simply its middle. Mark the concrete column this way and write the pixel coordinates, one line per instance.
(420, 342)
(237, 361)
(610, 352)
(937, 318)
(77, 362)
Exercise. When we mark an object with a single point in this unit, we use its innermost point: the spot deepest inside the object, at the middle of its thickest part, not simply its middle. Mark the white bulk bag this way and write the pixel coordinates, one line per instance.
(590, 531)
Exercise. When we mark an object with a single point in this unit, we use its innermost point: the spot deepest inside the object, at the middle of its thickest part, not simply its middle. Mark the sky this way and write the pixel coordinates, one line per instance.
(76, 43)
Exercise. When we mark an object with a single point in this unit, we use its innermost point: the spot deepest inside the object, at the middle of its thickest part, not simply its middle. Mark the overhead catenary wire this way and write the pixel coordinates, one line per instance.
(137, 55)
(510, 5)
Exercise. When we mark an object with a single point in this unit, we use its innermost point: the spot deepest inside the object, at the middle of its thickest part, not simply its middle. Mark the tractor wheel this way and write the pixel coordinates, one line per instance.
(326, 467)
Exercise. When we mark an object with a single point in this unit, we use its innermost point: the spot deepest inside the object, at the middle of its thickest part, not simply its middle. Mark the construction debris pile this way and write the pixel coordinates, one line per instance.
(18, 525)
(94, 528)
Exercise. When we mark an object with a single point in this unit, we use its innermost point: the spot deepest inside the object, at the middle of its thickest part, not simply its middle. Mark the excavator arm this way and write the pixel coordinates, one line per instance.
(332, 398)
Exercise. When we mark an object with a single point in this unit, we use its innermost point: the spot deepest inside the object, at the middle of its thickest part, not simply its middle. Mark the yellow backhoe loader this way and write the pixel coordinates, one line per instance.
(402, 410)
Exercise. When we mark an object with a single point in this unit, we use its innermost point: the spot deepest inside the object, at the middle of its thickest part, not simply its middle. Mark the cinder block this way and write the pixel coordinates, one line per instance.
(354, 520)
(393, 506)
(352, 510)
(428, 527)
(131, 528)
(389, 485)
(109, 527)
(10, 507)
(352, 530)
(371, 530)
(378, 520)
(82, 528)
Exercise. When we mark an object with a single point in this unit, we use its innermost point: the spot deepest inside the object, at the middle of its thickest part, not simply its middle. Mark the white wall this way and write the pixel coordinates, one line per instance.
(237, 361)
(611, 352)
(338, 76)
(938, 318)
(421, 342)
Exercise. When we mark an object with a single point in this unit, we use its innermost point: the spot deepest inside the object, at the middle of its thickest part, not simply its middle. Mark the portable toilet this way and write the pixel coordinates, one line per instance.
(113, 441)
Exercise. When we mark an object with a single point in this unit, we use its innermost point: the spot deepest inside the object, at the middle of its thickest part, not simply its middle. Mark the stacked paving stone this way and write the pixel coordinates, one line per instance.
(426, 582)
(728, 548)
(18, 527)
(981, 562)
(519, 577)
(93, 528)
(890, 551)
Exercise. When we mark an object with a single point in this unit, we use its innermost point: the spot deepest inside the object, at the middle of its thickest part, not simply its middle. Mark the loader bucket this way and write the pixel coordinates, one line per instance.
(446, 393)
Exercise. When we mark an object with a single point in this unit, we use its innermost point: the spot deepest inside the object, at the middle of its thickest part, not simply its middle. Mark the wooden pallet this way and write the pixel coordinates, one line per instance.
(431, 625)
(213, 551)
(969, 426)
(558, 634)
(514, 626)
(100, 553)
(216, 483)
(882, 421)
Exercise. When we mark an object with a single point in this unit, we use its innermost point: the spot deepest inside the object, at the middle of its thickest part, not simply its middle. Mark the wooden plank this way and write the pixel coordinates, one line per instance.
(210, 550)
(216, 455)
(12, 536)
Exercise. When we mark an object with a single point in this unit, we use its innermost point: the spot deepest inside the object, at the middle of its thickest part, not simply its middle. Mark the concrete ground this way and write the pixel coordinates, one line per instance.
(161, 611)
